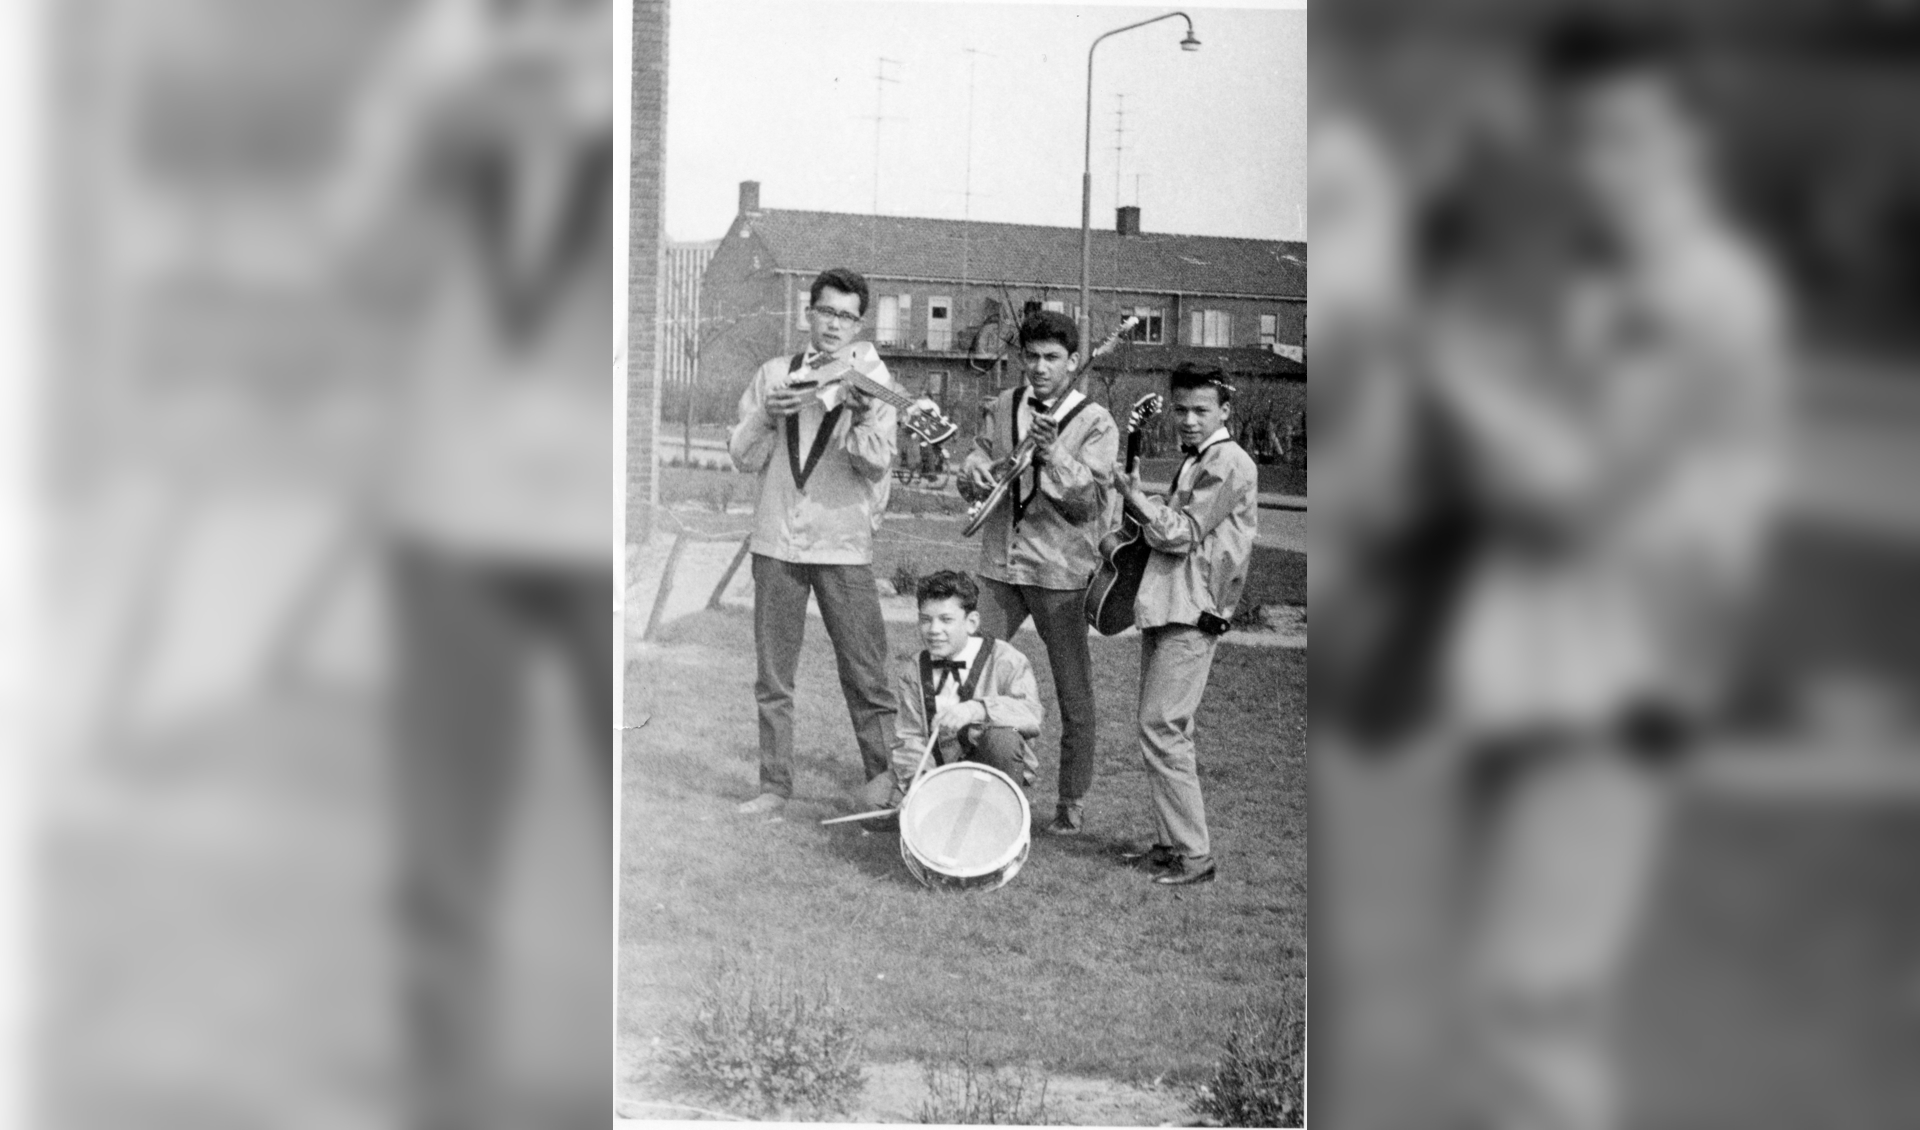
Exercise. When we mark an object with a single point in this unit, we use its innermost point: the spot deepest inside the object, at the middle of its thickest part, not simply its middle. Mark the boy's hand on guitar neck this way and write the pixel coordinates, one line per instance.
(1128, 485)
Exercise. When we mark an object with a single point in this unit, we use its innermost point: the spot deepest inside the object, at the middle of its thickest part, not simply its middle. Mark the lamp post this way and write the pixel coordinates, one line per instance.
(1086, 175)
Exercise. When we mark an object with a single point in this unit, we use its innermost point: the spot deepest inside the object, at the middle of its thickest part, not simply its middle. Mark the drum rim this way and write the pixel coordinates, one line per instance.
(1022, 841)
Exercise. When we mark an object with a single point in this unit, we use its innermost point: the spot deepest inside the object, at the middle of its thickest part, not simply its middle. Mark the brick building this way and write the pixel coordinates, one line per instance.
(685, 265)
(948, 296)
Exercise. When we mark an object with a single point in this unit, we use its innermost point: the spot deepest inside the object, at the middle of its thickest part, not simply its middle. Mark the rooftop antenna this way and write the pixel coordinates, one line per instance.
(966, 203)
(1119, 141)
(880, 80)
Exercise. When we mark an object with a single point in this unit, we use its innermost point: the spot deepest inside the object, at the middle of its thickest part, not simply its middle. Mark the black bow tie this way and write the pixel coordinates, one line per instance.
(1189, 450)
(957, 666)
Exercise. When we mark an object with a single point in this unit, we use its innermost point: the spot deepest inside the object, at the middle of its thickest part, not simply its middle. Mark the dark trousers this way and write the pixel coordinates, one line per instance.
(998, 746)
(465, 629)
(850, 606)
(1060, 620)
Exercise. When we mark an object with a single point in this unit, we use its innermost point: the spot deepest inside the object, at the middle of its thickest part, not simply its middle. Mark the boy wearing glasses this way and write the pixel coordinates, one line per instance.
(1039, 549)
(824, 456)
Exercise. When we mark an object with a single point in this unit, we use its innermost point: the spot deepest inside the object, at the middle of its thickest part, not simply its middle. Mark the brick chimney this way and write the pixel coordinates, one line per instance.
(749, 197)
(1127, 220)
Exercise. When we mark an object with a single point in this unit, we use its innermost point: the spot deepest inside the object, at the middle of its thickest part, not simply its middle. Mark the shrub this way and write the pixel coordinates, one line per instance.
(973, 1092)
(906, 577)
(720, 495)
(768, 1043)
(1261, 1080)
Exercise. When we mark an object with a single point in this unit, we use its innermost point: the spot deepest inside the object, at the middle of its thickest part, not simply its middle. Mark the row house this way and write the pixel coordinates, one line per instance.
(948, 297)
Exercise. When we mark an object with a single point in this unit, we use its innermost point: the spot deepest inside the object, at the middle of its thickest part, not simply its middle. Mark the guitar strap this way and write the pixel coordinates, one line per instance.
(1074, 402)
(928, 692)
(802, 472)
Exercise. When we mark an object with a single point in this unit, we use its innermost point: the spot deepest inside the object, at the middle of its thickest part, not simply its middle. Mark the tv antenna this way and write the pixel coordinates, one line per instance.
(1119, 142)
(880, 80)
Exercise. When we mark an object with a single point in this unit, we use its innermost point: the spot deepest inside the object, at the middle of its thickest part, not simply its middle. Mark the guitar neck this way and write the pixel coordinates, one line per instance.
(1133, 450)
(874, 388)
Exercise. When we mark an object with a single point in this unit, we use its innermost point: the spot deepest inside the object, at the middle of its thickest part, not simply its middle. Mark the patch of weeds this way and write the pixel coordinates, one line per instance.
(768, 1043)
(975, 1092)
(906, 577)
(1261, 1079)
(1253, 618)
(720, 496)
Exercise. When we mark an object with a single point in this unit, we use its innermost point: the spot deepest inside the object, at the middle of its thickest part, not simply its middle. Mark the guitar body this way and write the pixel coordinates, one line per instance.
(1124, 553)
(1123, 562)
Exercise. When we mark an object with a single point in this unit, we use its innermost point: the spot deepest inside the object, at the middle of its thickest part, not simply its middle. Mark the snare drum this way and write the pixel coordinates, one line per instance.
(964, 826)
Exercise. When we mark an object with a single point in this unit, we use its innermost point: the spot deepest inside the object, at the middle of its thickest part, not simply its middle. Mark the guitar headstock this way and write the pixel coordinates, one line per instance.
(1108, 343)
(1144, 409)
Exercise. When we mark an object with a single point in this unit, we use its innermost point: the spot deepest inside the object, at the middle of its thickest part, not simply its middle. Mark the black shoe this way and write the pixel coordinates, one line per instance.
(1067, 821)
(1183, 872)
(1152, 857)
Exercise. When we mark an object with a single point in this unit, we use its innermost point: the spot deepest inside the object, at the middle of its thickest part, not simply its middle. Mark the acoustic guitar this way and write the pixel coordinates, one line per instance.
(1124, 552)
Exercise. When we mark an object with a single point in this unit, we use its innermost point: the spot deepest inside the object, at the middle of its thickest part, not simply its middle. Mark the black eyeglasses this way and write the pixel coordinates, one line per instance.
(829, 314)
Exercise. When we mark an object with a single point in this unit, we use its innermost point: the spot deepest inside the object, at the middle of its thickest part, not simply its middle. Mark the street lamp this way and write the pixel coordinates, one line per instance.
(1086, 176)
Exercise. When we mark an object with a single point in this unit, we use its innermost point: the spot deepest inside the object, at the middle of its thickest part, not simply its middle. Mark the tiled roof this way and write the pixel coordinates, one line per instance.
(1026, 253)
(1239, 361)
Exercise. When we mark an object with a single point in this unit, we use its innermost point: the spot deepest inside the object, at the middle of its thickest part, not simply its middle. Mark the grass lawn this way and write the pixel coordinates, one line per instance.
(916, 534)
(1078, 964)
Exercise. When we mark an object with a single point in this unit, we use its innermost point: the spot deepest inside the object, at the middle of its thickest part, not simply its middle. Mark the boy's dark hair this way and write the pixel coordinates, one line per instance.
(1193, 375)
(1050, 325)
(948, 584)
(843, 280)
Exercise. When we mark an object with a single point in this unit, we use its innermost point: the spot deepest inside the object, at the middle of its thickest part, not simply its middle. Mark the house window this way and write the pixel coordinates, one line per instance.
(1028, 310)
(800, 303)
(1151, 329)
(937, 385)
(939, 323)
(1056, 307)
(1211, 328)
(886, 330)
(1267, 331)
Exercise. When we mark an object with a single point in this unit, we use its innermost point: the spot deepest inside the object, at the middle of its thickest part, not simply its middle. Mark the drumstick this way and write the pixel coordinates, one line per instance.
(924, 754)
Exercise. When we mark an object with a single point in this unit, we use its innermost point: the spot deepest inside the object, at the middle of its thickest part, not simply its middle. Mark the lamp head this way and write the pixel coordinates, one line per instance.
(1189, 43)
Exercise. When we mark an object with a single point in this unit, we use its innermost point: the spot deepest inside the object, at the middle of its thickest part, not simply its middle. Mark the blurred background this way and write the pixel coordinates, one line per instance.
(1617, 772)
(323, 682)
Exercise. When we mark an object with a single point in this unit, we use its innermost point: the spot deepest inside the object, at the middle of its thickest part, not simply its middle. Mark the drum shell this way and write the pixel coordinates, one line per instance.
(1010, 806)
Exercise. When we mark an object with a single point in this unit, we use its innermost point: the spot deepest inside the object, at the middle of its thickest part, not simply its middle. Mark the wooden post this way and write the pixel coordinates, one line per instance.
(726, 578)
(666, 584)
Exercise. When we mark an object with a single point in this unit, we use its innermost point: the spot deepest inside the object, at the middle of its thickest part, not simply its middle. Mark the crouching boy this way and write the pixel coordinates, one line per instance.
(976, 691)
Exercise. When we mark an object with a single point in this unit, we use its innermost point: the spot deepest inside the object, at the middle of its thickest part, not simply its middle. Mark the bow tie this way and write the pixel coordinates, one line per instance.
(957, 666)
(1189, 450)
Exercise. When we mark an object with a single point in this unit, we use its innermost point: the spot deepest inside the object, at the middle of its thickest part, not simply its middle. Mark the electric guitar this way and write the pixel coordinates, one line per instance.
(1008, 471)
(1124, 552)
(854, 368)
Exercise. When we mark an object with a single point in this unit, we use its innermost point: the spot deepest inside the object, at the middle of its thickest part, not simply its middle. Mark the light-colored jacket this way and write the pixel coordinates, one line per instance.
(1056, 543)
(832, 520)
(1006, 689)
(1202, 538)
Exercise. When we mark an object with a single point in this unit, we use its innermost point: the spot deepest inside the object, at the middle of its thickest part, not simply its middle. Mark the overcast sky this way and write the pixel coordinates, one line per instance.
(783, 92)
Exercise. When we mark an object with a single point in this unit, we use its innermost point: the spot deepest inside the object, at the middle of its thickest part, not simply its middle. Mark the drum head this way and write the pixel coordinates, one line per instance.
(965, 820)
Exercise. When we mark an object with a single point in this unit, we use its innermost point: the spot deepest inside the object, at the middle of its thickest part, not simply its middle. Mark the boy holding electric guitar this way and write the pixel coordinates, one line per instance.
(1202, 542)
(1038, 476)
(818, 428)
